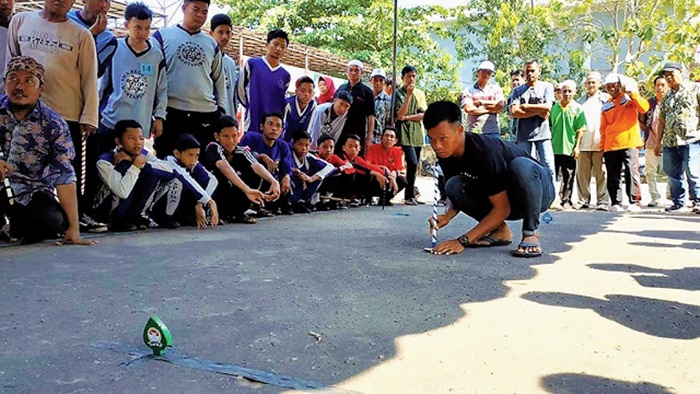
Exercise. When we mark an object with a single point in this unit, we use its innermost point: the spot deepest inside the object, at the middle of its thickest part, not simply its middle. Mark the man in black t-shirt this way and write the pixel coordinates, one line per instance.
(360, 118)
(489, 180)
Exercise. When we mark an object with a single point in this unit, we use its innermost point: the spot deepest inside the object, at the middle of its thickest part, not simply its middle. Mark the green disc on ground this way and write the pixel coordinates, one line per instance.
(156, 335)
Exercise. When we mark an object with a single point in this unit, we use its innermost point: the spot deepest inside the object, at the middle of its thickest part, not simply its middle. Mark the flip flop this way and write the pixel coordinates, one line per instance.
(491, 241)
(524, 245)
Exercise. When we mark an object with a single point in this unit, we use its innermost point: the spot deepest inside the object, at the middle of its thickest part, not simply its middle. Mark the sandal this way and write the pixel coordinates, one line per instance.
(525, 245)
(245, 219)
(490, 241)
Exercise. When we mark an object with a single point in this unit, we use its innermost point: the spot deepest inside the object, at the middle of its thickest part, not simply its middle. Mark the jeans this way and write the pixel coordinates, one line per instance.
(614, 162)
(412, 154)
(542, 151)
(530, 192)
(679, 161)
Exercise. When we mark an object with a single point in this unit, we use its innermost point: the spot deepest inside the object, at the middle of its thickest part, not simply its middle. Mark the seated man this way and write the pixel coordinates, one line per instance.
(239, 174)
(190, 191)
(276, 155)
(38, 150)
(488, 179)
(354, 183)
(389, 157)
(130, 176)
(309, 172)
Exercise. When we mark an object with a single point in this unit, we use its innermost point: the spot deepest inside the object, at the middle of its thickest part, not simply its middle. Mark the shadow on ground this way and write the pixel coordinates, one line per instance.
(573, 383)
(682, 279)
(251, 296)
(660, 318)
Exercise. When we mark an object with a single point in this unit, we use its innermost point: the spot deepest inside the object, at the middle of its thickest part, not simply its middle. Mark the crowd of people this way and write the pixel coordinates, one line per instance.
(79, 103)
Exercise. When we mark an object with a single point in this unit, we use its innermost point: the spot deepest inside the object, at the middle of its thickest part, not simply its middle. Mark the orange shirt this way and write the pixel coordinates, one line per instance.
(619, 124)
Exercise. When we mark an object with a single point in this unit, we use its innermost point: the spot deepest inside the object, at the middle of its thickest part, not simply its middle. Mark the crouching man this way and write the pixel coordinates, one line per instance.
(489, 180)
(39, 150)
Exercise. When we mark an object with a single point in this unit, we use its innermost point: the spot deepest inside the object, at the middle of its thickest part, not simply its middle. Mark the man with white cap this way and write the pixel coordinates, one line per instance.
(679, 126)
(361, 114)
(621, 138)
(382, 104)
(483, 101)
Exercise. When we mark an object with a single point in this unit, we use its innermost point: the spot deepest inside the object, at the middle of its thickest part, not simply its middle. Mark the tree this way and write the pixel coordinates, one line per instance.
(361, 29)
(637, 36)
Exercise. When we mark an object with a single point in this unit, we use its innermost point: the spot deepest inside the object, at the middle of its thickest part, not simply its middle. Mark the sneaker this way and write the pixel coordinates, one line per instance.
(634, 208)
(673, 208)
(602, 207)
(90, 225)
(556, 207)
(583, 206)
(617, 208)
(341, 205)
(411, 201)
(653, 204)
(355, 203)
(567, 206)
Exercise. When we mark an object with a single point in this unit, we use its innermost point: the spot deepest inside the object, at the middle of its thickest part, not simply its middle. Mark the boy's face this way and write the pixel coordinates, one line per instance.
(515, 81)
(272, 128)
(660, 86)
(276, 48)
(222, 35)
(409, 79)
(351, 148)
(97, 6)
(139, 30)
(188, 157)
(195, 13)
(132, 141)
(305, 92)
(228, 137)
(340, 107)
(325, 150)
(58, 7)
(301, 147)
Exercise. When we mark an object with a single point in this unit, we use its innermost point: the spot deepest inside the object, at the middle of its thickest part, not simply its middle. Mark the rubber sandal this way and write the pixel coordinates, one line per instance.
(491, 241)
(524, 245)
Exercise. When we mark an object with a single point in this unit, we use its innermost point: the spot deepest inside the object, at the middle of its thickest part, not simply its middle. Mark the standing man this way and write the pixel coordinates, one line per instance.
(620, 139)
(39, 151)
(194, 73)
(361, 114)
(410, 105)
(530, 107)
(590, 159)
(67, 52)
(483, 101)
(679, 135)
(7, 7)
(517, 78)
(649, 122)
(382, 104)
(221, 28)
(489, 180)
(94, 18)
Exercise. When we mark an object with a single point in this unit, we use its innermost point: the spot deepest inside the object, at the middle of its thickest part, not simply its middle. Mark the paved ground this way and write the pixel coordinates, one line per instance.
(613, 307)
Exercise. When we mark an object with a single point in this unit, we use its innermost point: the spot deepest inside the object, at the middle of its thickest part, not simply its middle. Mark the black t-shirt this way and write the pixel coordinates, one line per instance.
(241, 159)
(361, 108)
(485, 160)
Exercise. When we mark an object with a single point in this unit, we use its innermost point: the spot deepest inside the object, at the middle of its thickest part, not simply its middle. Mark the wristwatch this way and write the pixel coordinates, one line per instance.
(464, 240)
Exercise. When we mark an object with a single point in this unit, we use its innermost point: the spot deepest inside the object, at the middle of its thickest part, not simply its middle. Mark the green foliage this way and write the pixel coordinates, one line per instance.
(361, 29)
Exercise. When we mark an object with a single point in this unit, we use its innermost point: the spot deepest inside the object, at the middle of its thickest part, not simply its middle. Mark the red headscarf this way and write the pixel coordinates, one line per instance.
(328, 97)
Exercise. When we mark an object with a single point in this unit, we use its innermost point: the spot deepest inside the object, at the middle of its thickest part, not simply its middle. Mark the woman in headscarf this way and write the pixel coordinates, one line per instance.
(327, 89)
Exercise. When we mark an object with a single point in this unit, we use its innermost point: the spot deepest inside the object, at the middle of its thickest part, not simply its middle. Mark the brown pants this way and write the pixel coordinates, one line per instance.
(591, 164)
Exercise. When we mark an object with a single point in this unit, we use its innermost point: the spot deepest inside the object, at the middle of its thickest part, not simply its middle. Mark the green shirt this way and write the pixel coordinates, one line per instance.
(566, 124)
(410, 133)
(681, 111)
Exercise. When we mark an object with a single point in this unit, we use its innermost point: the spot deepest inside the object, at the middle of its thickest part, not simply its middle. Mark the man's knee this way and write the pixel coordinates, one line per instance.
(454, 188)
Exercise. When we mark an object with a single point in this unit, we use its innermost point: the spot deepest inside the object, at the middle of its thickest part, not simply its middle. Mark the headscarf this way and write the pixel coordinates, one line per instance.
(25, 63)
(330, 93)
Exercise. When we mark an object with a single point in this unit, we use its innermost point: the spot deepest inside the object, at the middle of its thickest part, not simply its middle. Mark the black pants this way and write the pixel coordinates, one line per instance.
(567, 165)
(43, 218)
(530, 192)
(129, 209)
(200, 124)
(230, 200)
(614, 163)
(375, 190)
(92, 181)
(412, 155)
(348, 186)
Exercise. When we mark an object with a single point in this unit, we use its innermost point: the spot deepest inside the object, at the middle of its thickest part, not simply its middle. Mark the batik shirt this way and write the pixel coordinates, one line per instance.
(681, 111)
(382, 106)
(40, 150)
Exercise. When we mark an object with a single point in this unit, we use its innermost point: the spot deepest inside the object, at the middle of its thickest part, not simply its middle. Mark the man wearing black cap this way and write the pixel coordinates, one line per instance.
(679, 136)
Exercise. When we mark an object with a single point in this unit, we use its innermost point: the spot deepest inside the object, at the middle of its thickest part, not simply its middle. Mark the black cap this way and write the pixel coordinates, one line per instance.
(670, 66)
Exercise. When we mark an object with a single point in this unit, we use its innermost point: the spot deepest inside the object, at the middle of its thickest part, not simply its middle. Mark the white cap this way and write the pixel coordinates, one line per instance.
(612, 78)
(487, 65)
(355, 62)
(378, 72)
